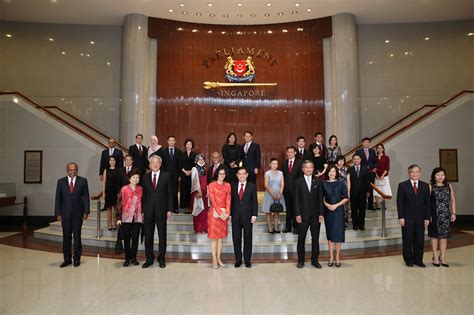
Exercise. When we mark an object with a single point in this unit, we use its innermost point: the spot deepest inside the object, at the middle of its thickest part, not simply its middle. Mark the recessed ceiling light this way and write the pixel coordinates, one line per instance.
(308, 10)
(269, 4)
(15, 100)
(82, 54)
(88, 55)
(92, 42)
(239, 33)
(240, 15)
(253, 15)
(387, 41)
(280, 13)
(9, 35)
(53, 1)
(284, 31)
(179, 28)
(223, 32)
(181, 4)
(254, 32)
(297, 4)
(371, 62)
(225, 15)
(63, 52)
(270, 32)
(470, 34)
(209, 32)
(427, 38)
(299, 29)
(185, 12)
(170, 10)
(51, 39)
(209, 4)
(406, 53)
(198, 14)
(266, 15)
(139, 27)
(108, 63)
(391, 55)
(212, 15)
(294, 12)
(239, 4)
(194, 30)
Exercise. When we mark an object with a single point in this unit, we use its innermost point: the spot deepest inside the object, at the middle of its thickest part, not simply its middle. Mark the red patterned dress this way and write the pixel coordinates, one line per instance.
(219, 195)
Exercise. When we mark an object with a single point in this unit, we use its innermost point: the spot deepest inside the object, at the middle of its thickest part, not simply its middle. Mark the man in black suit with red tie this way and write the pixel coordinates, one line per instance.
(244, 211)
(251, 157)
(157, 204)
(139, 154)
(127, 167)
(414, 213)
(318, 141)
(171, 164)
(106, 154)
(71, 208)
(216, 166)
(309, 211)
(369, 160)
(301, 152)
(358, 186)
(292, 170)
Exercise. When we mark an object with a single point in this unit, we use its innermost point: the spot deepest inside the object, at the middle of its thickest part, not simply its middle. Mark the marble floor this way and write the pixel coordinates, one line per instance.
(32, 282)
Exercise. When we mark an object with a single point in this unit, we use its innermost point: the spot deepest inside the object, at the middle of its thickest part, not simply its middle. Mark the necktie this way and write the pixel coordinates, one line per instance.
(308, 183)
(154, 181)
(71, 185)
(301, 152)
(241, 192)
(171, 153)
(214, 171)
(111, 152)
(367, 154)
(357, 170)
(415, 188)
(290, 167)
(140, 149)
(246, 147)
(128, 169)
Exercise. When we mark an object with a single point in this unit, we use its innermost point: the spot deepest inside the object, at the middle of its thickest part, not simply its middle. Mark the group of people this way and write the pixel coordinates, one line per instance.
(311, 185)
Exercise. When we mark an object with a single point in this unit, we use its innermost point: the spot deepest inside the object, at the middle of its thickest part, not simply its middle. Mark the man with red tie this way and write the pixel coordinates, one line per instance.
(127, 167)
(139, 154)
(216, 166)
(414, 213)
(71, 208)
(244, 209)
(292, 170)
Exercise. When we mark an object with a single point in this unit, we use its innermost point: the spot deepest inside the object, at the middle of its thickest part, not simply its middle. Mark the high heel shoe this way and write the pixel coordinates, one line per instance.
(221, 264)
(435, 264)
(338, 264)
(444, 264)
(330, 263)
(215, 266)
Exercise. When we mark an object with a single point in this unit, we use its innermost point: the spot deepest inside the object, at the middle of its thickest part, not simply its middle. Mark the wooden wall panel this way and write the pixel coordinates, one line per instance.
(294, 107)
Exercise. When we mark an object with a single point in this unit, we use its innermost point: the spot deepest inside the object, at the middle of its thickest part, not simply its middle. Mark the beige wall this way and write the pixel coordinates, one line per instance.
(86, 86)
(420, 71)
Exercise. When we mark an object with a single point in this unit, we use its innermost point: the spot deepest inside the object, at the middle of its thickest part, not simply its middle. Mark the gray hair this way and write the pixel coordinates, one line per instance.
(155, 157)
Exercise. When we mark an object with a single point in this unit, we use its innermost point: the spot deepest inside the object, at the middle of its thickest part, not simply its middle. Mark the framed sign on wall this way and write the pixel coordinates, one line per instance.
(448, 159)
(33, 167)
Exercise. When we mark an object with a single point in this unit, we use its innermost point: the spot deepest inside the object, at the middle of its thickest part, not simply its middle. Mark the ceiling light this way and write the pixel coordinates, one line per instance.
(299, 29)
(92, 42)
(387, 41)
(194, 30)
(139, 27)
(82, 54)
(269, 4)
(239, 33)
(181, 4)
(226, 15)
(88, 55)
(391, 55)
(223, 32)
(15, 100)
(209, 32)
(470, 34)
(253, 15)
(212, 15)
(108, 63)
(294, 12)
(371, 62)
(270, 32)
(198, 14)
(239, 4)
(51, 39)
(266, 15)
(284, 31)
(280, 13)
(308, 10)
(63, 52)
(9, 35)
(170, 10)
(209, 4)
(53, 1)
(406, 53)
(297, 4)
(427, 38)
(180, 28)
(185, 12)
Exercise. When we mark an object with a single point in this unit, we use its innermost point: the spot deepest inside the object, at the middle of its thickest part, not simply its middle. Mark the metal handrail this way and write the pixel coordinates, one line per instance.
(98, 236)
(384, 208)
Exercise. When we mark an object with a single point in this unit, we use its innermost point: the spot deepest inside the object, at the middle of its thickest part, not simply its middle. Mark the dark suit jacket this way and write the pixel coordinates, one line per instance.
(251, 160)
(361, 184)
(308, 204)
(104, 159)
(246, 208)
(210, 179)
(171, 165)
(74, 204)
(123, 178)
(140, 161)
(414, 208)
(290, 179)
(159, 199)
(371, 163)
(307, 155)
(313, 145)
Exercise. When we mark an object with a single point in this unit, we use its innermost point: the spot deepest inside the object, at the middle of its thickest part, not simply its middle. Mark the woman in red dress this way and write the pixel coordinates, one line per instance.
(219, 195)
(199, 202)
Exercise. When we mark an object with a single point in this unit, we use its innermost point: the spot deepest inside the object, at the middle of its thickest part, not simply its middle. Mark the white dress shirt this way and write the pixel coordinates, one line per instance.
(308, 180)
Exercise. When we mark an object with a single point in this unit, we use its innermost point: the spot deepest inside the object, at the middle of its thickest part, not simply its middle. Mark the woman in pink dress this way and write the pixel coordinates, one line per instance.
(219, 195)
(199, 202)
(130, 216)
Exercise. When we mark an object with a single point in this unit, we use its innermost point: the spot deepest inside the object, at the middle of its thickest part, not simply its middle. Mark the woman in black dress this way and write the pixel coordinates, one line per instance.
(320, 162)
(187, 163)
(443, 212)
(110, 190)
(232, 158)
(335, 196)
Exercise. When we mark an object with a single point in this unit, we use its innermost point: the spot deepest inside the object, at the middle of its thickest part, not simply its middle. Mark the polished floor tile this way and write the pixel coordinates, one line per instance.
(32, 282)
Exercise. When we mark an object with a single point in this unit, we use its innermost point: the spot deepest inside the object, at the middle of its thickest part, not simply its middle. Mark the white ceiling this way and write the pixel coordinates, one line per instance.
(112, 12)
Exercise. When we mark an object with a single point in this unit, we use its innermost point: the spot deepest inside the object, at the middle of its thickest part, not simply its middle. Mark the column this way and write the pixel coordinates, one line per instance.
(343, 106)
(137, 113)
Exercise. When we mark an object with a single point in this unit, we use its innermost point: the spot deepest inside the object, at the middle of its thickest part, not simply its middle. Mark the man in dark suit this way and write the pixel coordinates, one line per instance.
(171, 164)
(414, 213)
(106, 154)
(318, 141)
(71, 208)
(369, 160)
(216, 166)
(244, 210)
(139, 154)
(301, 152)
(309, 211)
(358, 185)
(251, 155)
(292, 170)
(127, 167)
(157, 203)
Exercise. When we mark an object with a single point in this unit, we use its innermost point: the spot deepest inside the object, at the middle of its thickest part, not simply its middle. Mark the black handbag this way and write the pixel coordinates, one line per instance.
(276, 206)
(119, 243)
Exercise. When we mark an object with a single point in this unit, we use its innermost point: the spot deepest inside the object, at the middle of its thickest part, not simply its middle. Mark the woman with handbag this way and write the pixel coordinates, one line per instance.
(219, 193)
(381, 180)
(273, 201)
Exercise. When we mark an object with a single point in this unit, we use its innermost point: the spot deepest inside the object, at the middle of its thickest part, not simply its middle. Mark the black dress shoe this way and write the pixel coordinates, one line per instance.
(126, 263)
(65, 264)
(420, 264)
(317, 265)
(248, 264)
(300, 265)
(147, 264)
(135, 262)
(435, 264)
(445, 265)
(409, 264)
(276, 231)
(77, 263)
(238, 264)
(362, 228)
(287, 231)
(162, 264)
